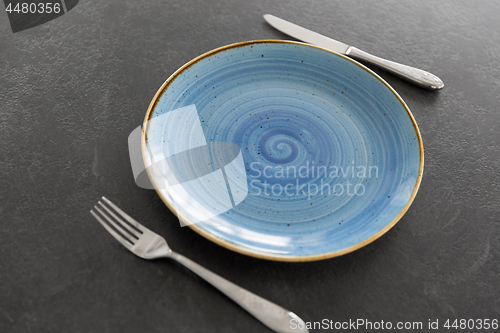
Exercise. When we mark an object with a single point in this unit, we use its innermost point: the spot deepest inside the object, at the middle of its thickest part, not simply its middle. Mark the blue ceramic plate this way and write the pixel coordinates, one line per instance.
(282, 150)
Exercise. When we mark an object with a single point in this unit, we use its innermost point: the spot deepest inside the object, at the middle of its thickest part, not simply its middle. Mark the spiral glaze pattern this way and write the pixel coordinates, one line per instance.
(333, 156)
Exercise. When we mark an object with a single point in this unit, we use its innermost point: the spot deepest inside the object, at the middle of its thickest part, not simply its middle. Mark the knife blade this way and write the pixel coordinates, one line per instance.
(413, 75)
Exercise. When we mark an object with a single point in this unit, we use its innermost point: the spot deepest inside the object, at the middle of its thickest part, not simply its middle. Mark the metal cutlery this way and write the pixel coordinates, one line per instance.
(413, 75)
(148, 245)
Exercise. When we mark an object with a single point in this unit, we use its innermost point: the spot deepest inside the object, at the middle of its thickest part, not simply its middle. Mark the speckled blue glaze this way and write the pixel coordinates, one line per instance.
(290, 105)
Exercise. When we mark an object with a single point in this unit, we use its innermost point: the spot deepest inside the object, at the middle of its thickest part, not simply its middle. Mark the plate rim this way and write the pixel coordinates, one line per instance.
(260, 254)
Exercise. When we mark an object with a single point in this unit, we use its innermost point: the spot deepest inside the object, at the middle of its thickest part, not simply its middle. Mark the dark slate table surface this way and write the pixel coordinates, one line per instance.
(72, 89)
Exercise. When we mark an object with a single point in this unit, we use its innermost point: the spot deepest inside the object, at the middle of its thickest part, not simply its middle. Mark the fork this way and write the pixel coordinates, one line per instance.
(146, 244)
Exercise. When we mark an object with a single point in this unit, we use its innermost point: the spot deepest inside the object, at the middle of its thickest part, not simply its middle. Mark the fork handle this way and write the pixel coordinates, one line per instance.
(273, 316)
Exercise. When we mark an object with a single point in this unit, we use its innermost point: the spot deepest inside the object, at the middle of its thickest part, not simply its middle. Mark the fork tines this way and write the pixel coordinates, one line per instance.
(126, 231)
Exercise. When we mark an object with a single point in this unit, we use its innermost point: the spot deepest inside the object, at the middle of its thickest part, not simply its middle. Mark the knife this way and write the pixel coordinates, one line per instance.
(413, 75)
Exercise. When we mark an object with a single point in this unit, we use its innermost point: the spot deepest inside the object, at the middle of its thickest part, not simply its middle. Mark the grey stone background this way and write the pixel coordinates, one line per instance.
(71, 91)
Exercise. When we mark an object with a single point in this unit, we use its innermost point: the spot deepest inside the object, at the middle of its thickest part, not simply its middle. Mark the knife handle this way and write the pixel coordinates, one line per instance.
(416, 76)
